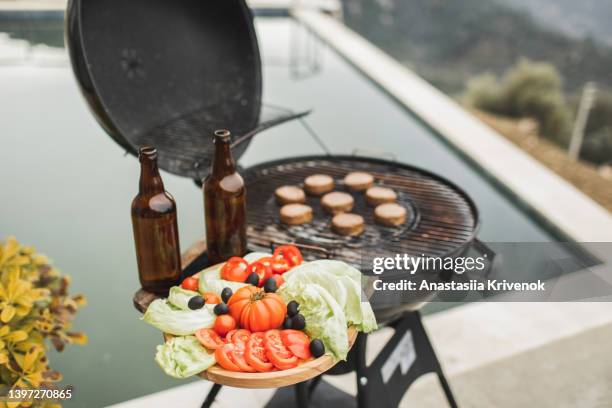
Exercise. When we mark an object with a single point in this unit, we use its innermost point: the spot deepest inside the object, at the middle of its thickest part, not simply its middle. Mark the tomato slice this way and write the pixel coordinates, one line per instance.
(235, 269)
(290, 336)
(280, 265)
(228, 336)
(301, 350)
(297, 342)
(255, 354)
(291, 253)
(209, 339)
(224, 357)
(190, 283)
(238, 357)
(240, 336)
(280, 361)
(276, 352)
(263, 270)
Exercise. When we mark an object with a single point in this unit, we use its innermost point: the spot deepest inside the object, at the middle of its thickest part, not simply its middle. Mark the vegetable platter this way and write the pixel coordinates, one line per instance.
(262, 321)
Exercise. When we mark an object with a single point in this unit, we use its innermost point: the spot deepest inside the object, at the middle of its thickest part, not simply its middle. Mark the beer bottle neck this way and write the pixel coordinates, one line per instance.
(150, 179)
(223, 162)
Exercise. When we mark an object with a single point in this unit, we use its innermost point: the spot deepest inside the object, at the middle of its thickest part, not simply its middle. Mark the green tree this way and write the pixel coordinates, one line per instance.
(528, 89)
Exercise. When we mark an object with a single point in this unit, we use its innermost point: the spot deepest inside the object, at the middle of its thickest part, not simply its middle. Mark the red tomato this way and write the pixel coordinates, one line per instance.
(229, 335)
(263, 270)
(255, 353)
(235, 269)
(224, 323)
(240, 336)
(277, 353)
(279, 279)
(211, 298)
(280, 265)
(224, 357)
(297, 342)
(301, 350)
(238, 357)
(209, 339)
(279, 360)
(190, 283)
(291, 253)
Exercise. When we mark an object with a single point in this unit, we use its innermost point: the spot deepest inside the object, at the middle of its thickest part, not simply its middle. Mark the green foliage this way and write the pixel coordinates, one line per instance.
(528, 89)
(597, 147)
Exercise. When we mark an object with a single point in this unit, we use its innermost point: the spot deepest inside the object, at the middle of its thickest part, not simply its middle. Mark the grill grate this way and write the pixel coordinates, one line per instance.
(441, 218)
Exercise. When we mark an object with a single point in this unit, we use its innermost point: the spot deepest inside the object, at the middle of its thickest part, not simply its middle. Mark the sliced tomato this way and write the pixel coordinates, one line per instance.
(255, 354)
(290, 336)
(211, 298)
(280, 361)
(291, 253)
(190, 283)
(300, 350)
(240, 336)
(276, 352)
(238, 357)
(297, 342)
(224, 324)
(279, 279)
(209, 339)
(280, 265)
(225, 359)
(229, 335)
(235, 269)
(262, 269)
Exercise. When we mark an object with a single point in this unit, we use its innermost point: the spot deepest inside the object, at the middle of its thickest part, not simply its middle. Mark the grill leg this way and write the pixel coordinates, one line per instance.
(301, 394)
(212, 394)
(362, 370)
(447, 391)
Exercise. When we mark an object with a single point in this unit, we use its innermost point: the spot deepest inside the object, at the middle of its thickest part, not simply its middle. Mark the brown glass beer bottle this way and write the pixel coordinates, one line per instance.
(224, 204)
(155, 228)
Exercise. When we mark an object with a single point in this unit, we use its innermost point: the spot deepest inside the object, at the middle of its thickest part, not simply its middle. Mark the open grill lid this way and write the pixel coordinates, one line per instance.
(168, 73)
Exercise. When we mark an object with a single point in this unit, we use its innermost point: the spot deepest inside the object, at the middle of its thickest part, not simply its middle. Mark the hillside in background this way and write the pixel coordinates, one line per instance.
(448, 42)
(579, 19)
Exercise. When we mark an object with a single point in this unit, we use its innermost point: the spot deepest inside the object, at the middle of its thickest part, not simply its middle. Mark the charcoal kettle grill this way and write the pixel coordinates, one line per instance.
(170, 73)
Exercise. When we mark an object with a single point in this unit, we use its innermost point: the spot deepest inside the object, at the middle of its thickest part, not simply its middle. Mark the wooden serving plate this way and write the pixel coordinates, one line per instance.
(272, 379)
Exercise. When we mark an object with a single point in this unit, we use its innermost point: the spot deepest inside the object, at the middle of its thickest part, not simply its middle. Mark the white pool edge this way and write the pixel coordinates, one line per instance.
(557, 201)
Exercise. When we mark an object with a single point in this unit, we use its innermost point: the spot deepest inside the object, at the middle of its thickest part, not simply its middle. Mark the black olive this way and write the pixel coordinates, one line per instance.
(226, 293)
(287, 323)
(292, 308)
(317, 348)
(196, 302)
(221, 309)
(253, 279)
(298, 322)
(270, 285)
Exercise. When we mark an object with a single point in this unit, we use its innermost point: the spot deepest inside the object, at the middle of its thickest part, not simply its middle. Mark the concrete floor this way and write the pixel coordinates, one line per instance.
(572, 372)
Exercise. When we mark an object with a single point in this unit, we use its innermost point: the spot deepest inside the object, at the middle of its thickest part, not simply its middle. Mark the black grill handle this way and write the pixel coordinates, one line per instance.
(328, 254)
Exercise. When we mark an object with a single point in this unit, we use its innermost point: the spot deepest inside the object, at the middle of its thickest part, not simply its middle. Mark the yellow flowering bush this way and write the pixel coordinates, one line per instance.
(34, 306)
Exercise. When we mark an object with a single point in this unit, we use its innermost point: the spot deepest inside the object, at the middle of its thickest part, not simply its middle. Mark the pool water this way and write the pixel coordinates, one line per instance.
(67, 189)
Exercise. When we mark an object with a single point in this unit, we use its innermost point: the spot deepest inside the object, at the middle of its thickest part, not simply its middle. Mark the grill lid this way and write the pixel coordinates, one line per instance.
(168, 73)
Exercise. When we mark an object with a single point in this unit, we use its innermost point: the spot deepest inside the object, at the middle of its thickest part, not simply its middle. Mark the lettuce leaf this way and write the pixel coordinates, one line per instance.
(179, 297)
(324, 317)
(182, 357)
(170, 319)
(343, 282)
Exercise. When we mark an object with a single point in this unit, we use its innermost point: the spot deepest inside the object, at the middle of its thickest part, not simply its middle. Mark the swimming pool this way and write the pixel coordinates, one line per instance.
(67, 188)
